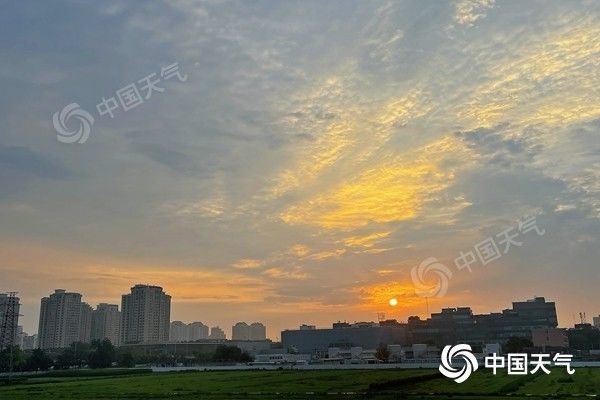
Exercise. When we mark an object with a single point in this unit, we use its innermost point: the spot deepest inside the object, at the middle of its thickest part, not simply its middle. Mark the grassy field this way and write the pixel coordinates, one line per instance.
(287, 384)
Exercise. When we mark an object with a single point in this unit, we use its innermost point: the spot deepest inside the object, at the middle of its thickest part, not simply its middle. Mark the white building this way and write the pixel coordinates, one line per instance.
(353, 355)
(106, 323)
(145, 315)
(281, 358)
(64, 319)
(182, 332)
(197, 331)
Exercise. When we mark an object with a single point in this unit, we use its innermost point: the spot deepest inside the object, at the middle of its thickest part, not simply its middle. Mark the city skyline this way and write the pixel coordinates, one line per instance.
(301, 159)
(274, 333)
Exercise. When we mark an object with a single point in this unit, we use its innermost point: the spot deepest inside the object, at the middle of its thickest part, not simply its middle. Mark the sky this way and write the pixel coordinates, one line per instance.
(306, 160)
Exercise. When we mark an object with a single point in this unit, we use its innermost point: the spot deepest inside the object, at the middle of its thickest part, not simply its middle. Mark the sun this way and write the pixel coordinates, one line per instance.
(393, 302)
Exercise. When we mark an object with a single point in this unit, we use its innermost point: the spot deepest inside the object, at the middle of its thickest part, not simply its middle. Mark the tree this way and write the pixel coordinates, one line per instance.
(126, 360)
(11, 358)
(38, 361)
(225, 353)
(102, 355)
(517, 345)
(382, 353)
(246, 357)
(66, 359)
(81, 353)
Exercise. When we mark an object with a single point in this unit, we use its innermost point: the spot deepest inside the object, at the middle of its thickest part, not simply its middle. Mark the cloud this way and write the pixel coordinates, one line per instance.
(394, 190)
(467, 12)
(293, 170)
(367, 240)
(23, 162)
(248, 263)
(496, 146)
(295, 273)
(21, 167)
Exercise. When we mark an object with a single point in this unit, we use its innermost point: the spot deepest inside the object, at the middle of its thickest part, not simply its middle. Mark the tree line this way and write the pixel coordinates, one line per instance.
(102, 354)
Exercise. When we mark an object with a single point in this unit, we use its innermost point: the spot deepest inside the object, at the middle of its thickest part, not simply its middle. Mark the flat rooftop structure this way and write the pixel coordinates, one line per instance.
(365, 335)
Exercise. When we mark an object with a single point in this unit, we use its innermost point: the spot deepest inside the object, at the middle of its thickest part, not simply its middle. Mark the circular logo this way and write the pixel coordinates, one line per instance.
(419, 273)
(80, 134)
(465, 354)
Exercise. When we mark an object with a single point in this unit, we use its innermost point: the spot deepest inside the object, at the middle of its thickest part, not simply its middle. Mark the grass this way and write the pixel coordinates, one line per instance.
(294, 384)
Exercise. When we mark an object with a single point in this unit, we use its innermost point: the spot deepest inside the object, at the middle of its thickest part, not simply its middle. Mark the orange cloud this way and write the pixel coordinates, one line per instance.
(248, 263)
(396, 190)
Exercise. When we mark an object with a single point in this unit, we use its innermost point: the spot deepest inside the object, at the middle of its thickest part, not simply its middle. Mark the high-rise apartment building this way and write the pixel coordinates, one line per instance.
(178, 332)
(243, 331)
(9, 319)
(145, 315)
(182, 332)
(217, 333)
(64, 319)
(258, 331)
(29, 342)
(240, 331)
(197, 331)
(85, 323)
(106, 323)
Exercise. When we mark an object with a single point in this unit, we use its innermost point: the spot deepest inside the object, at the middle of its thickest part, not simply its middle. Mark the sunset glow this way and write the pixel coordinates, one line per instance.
(315, 155)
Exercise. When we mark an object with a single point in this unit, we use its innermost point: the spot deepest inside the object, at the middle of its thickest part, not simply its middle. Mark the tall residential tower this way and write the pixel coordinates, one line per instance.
(145, 315)
(64, 319)
(106, 323)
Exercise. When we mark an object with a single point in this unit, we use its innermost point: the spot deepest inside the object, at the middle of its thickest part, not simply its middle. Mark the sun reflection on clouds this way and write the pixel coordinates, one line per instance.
(396, 190)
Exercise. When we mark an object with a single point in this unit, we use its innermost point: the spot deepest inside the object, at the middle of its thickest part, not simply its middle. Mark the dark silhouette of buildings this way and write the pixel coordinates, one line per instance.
(460, 325)
(450, 326)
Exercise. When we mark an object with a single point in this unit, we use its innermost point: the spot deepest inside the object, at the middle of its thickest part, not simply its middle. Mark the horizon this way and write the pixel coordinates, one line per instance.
(275, 335)
(302, 162)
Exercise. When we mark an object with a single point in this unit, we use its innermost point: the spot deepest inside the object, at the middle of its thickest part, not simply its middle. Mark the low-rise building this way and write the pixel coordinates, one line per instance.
(460, 325)
(343, 335)
(550, 338)
(281, 358)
